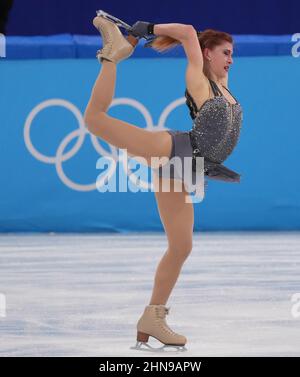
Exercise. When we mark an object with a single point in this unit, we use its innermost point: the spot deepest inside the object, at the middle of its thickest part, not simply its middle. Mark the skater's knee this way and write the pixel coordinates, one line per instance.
(181, 249)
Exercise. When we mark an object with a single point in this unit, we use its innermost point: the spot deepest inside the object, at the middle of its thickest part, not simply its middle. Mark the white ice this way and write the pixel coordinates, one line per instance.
(81, 295)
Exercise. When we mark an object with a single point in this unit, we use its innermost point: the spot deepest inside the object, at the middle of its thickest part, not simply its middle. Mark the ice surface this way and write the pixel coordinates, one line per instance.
(81, 295)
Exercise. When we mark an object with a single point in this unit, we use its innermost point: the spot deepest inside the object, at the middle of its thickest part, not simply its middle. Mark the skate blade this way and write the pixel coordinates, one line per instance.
(166, 348)
(116, 20)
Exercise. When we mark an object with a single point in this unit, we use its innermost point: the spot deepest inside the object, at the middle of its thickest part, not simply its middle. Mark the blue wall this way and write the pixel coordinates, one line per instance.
(33, 17)
(34, 197)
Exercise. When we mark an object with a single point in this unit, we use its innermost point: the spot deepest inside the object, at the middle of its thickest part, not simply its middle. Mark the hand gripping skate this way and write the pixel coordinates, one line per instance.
(121, 23)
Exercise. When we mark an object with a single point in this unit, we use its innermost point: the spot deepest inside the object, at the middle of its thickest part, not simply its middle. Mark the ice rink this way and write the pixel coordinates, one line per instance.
(81, 295)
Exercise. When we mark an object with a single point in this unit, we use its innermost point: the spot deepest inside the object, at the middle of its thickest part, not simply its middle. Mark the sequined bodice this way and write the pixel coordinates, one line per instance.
(216, 125)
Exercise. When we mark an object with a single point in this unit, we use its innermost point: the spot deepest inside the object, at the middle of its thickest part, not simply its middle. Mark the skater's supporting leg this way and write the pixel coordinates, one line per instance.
(177, 217)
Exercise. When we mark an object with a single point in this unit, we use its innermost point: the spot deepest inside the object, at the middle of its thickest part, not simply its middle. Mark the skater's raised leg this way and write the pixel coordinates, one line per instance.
(136, 140)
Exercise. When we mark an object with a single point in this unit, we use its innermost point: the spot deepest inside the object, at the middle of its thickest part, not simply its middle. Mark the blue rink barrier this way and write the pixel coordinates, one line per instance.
(84, 47)
(48, 167)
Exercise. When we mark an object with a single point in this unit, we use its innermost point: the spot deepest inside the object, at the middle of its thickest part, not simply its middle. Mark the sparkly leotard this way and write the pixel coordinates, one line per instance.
(215, 132)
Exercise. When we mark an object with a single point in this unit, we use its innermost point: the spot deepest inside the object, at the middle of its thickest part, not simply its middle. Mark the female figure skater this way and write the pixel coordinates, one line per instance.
(216, 118)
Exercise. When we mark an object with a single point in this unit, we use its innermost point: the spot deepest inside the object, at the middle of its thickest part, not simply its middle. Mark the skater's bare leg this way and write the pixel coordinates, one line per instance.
(178, 220)
(136, 140)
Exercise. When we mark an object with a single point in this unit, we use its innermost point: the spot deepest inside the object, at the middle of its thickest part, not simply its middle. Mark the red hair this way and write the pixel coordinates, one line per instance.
(209, 38)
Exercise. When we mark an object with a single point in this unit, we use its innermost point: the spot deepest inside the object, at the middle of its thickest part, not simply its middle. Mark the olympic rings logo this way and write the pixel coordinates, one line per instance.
(61, 156)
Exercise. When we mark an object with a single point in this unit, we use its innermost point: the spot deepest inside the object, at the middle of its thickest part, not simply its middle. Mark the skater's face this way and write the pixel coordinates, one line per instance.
(219, 59)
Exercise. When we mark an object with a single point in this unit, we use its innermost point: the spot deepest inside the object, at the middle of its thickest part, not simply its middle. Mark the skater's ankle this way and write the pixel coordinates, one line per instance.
(106, 61)
(156, 304)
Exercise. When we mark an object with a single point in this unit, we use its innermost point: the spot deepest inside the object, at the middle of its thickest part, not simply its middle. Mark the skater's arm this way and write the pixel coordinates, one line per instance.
(188, 37)
(168, 35)
(177, 31)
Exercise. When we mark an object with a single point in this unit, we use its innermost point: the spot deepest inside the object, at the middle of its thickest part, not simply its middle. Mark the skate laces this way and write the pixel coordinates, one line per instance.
(106, 40)
(161, 313)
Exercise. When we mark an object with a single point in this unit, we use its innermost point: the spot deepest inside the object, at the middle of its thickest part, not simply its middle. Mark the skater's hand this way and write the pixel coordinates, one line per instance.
(140, 29)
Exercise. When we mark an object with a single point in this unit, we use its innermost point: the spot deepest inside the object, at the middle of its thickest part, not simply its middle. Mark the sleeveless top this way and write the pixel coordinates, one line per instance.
(215, 132)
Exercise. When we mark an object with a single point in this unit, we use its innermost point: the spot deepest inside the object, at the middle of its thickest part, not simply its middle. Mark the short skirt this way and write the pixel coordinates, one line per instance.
(182, 147)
